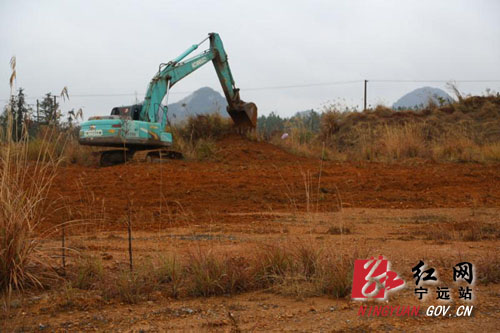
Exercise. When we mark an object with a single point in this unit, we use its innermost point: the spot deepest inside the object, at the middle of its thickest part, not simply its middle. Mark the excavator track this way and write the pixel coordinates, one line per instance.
(115, 157)
(163, 155)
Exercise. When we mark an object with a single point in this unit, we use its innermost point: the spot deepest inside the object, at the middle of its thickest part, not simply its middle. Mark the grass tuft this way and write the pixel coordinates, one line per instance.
(23, 188)
(89, 272)
(488, 270)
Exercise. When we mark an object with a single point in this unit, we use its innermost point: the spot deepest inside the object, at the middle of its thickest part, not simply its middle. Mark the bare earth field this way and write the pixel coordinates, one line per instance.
(251, 194)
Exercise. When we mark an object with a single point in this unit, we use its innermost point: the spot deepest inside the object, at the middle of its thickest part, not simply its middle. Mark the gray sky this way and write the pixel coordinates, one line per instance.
(115, 47)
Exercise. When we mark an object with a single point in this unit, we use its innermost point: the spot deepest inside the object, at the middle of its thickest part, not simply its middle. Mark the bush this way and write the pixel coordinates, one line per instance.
(210, 126)
(196, 138)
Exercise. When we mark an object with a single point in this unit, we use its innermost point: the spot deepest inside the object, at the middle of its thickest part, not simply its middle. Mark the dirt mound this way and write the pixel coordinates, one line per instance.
(236, 148)
(251, 177)
(477, 118)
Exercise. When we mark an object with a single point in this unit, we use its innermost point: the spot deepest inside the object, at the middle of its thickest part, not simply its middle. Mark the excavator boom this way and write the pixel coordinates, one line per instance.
(243, 114)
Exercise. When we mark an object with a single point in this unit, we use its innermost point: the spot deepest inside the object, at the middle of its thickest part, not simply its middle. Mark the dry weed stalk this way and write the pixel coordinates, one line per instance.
(23, 189)
(24, 185)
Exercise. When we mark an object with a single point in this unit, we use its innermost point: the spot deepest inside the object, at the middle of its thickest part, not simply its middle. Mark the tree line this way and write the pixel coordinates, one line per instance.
(28, 119)
(274, 124)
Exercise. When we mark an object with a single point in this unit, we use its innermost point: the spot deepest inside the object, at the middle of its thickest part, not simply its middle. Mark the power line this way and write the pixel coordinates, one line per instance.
(302, 85)
(452, 81)
(245, 89)
(283, 87)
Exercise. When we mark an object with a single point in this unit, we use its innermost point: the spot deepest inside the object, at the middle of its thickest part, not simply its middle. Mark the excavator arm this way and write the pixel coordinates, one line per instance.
(243, 114)
(142, 127)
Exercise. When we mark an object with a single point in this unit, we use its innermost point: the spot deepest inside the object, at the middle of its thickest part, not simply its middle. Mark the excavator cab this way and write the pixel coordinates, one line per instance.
(132, 112)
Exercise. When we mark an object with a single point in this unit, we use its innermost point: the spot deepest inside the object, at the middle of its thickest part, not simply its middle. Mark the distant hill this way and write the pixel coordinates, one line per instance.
(203, 101)
(419, 98)
(304, 114)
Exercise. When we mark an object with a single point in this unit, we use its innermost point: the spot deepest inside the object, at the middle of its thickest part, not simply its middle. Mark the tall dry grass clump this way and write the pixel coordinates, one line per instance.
(196, 137)
(23, 190)
(304, 270)
(404, 141)
(63, 145)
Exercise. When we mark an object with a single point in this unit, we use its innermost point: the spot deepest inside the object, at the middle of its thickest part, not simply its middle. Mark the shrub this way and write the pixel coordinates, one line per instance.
(196, 138)
(210, 126)
(205, 149)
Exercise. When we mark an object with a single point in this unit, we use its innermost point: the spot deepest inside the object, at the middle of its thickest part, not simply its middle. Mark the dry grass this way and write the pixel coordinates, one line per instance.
(24, 183)
(272, 264)
(169, 272)
(466, 131)
(63, 145)
(311, 272)
(196, 138)
(488, 271)
(468, 231)
(334, 230)
(132, 287)
(89, 273)
(405, 141)
(210, 274)
(297, 269)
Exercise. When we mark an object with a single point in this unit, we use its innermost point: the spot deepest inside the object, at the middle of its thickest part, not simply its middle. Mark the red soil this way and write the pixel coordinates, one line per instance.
(251, 176)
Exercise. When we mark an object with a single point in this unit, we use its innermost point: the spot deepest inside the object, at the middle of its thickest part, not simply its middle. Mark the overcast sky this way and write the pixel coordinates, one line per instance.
(115, 47)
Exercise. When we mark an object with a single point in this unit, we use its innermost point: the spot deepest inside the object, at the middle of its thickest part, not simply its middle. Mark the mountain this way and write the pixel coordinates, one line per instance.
(304, 114)
(203, 101)
(420, 97)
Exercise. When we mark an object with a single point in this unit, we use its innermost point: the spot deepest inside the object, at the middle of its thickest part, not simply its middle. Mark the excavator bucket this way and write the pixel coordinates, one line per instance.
(244, 115)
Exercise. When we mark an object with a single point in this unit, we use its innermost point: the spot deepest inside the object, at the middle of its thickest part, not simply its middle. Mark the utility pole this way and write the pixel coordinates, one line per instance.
(37, 112)
(364, 108)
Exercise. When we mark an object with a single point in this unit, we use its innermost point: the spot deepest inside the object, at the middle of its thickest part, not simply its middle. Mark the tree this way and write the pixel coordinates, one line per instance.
(21, 114)
(49, 110)
(270, 124)
(73, 116)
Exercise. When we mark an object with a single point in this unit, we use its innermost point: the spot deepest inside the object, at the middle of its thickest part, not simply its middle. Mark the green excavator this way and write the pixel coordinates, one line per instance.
(144, 126)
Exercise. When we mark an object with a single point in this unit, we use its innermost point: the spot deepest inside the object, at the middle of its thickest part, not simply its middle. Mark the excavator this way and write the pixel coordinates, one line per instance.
(143, 126)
